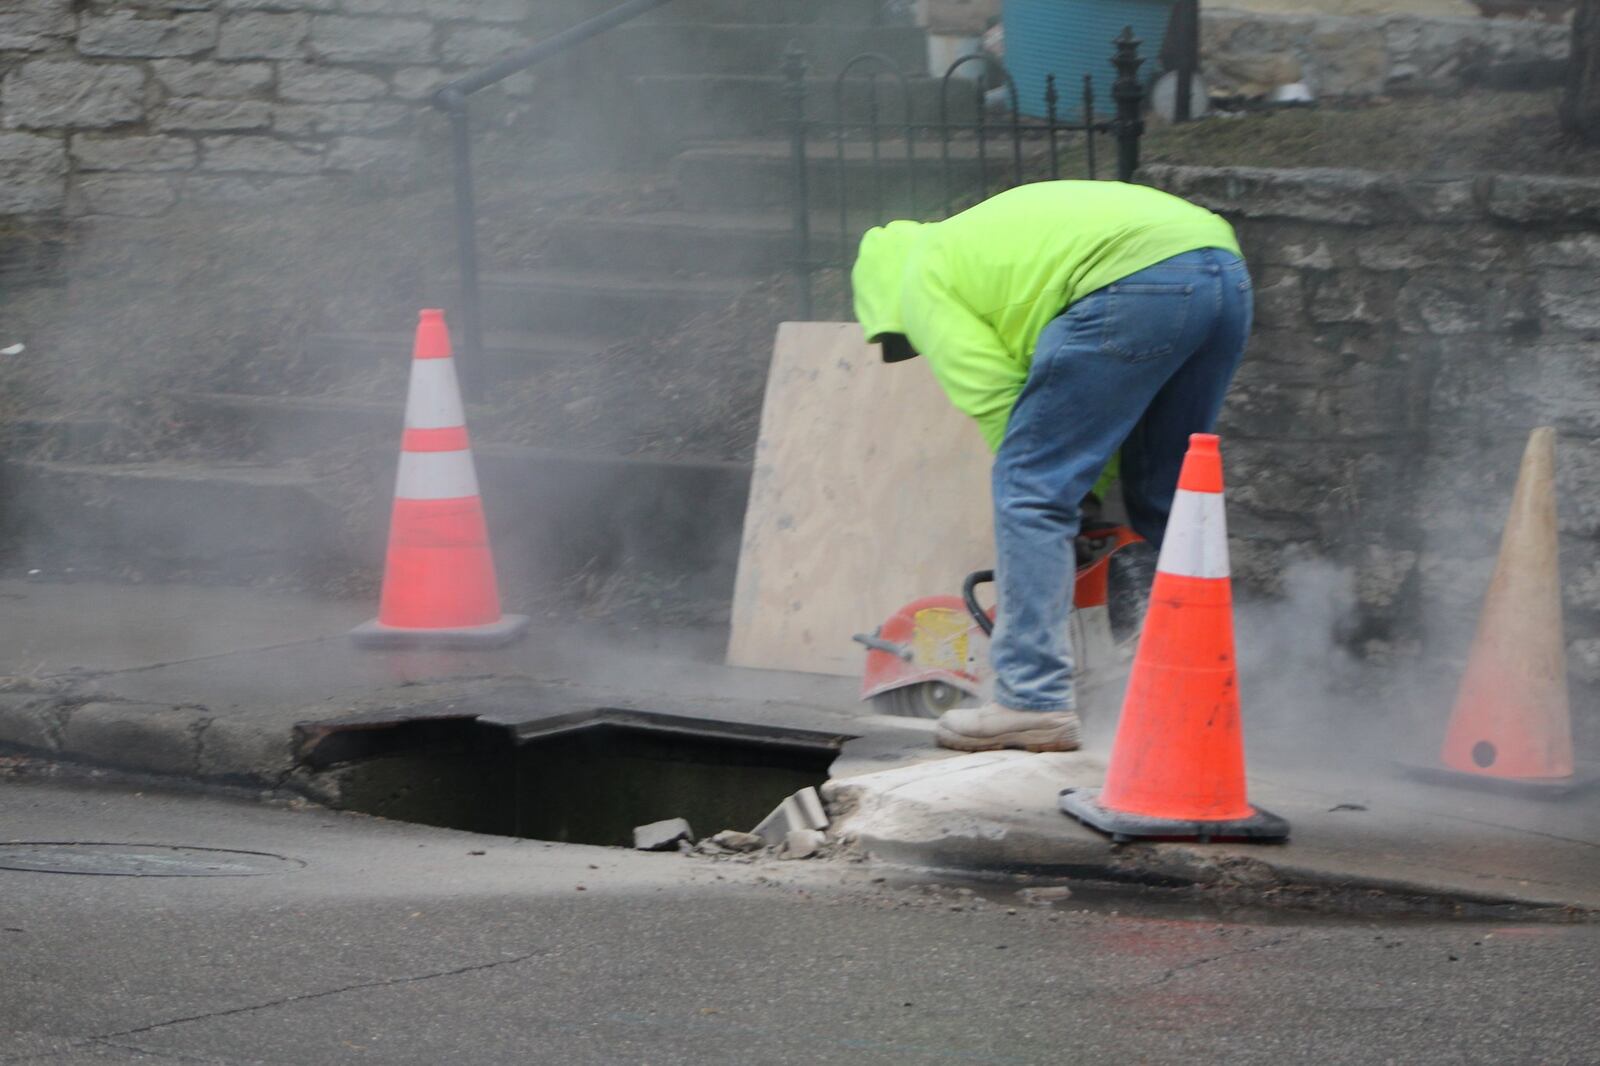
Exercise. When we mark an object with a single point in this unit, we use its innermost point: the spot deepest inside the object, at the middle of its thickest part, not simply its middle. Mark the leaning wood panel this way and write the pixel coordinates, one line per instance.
(869, 491)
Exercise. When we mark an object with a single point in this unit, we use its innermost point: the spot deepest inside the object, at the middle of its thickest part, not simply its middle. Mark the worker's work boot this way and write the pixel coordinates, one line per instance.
(993, 728)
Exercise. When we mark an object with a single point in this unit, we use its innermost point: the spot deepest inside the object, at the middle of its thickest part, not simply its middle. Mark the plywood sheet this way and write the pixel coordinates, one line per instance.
(869, 491)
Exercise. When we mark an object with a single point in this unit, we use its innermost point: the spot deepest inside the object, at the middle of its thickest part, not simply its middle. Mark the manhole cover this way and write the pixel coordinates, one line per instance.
(140, 860)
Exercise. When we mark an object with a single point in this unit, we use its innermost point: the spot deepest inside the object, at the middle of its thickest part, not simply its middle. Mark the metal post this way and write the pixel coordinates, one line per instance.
(1051, 100)
(470, 361)
(794, 87)
(911, 155)
(1016, 132)
(1129, 96)
(1186, 23)
(982, 131)
(877, 215)
(1088, 122)
(945, 175)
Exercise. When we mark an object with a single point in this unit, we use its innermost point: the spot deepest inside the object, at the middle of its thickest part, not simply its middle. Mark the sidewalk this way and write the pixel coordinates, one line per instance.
(210, 683)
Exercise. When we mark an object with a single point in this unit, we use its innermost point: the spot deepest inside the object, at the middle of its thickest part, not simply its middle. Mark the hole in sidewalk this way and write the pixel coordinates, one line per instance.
(587, 778)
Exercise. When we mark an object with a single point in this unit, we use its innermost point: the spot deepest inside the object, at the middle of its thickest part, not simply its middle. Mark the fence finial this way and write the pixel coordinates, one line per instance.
(1128, 92)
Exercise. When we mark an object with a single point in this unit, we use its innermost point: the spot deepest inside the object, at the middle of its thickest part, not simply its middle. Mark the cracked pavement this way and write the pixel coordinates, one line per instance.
(402, 944)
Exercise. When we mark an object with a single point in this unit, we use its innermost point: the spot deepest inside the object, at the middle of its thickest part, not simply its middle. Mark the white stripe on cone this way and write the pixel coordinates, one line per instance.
(434, 400)
(1196, 542)
(436, 476)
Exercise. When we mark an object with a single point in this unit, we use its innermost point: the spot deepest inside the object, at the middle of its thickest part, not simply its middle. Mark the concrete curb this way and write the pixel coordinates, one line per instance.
(996, 812)
(899, 800)
(182, 741)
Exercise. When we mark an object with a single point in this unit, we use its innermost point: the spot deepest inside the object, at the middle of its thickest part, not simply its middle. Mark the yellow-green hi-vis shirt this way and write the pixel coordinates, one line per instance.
(973, 293)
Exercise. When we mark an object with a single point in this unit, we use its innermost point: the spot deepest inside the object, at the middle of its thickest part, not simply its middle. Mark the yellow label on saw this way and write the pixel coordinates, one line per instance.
(940, 638)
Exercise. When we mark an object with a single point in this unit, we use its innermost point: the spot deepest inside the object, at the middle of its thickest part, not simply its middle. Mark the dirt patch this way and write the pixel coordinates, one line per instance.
(1472, 131)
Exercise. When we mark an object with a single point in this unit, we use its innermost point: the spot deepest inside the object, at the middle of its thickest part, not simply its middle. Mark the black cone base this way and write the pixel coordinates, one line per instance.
(1584, 776)
(1084, 805)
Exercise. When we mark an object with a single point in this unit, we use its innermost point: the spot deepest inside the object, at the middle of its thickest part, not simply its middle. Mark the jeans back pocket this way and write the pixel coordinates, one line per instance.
(1144, 320)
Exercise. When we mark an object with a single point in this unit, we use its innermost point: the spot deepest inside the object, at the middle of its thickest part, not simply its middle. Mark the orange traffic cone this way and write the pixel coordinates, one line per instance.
(1177, 766)
(439, 584)
(1511, 725)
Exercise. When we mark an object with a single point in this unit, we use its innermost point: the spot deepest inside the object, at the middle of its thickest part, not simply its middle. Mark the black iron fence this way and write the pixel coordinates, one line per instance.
(894, 146)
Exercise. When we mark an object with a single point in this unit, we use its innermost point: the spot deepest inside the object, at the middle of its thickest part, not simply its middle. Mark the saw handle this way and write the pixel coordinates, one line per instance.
(877, 643)
(969, 593)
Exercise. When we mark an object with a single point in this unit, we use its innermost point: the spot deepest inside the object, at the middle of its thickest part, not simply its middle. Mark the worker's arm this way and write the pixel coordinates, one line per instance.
(977, 373)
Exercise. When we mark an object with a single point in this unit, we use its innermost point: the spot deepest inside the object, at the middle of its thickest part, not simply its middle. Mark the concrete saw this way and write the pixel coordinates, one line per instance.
(933, 653)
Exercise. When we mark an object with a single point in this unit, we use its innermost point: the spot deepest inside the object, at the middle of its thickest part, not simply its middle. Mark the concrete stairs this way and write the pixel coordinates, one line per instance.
(706, 96)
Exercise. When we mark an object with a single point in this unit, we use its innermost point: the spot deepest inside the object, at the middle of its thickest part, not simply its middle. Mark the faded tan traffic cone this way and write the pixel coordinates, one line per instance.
(1511, 724)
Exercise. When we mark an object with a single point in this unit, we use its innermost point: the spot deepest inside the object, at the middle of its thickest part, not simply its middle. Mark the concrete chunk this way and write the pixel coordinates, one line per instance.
(1045, 895)
(803, 810)
(803, 843)
(662, 836)
(733, 840)
(232, 749)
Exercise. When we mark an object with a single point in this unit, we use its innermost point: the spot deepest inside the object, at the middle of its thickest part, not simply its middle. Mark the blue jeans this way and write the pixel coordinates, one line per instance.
(1141, 364)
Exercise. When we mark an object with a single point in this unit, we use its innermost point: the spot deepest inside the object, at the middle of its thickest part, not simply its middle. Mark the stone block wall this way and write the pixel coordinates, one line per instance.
(124, 107)
(1367, 55)
(1337, 51)
(1410, 333)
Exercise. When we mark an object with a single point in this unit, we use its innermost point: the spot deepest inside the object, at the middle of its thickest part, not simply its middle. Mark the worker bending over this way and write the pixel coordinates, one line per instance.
(1070, 319)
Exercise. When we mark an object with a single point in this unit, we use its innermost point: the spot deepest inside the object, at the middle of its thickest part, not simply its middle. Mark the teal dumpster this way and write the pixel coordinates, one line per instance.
(1071, 38)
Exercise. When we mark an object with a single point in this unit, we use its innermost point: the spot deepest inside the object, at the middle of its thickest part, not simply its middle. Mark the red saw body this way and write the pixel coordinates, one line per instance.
(933, 653)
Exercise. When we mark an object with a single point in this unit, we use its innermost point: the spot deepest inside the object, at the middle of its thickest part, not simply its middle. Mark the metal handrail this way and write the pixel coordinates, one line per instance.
(452, 99)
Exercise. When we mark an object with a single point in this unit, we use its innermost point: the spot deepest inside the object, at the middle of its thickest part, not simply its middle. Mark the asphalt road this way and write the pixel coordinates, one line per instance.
(389, 943)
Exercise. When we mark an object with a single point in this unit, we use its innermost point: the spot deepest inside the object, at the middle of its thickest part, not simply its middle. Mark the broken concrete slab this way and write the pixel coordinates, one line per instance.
(735, 841)
(803, 843)
(996, 811)
(244, 750)
(949, 811)
(663, 835)
(1044, 895)
(803, 810)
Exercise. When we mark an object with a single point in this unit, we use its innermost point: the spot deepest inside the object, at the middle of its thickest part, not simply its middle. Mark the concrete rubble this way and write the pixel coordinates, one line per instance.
(735, 841)
(662, 836)
(801, 811)
(803, 843)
